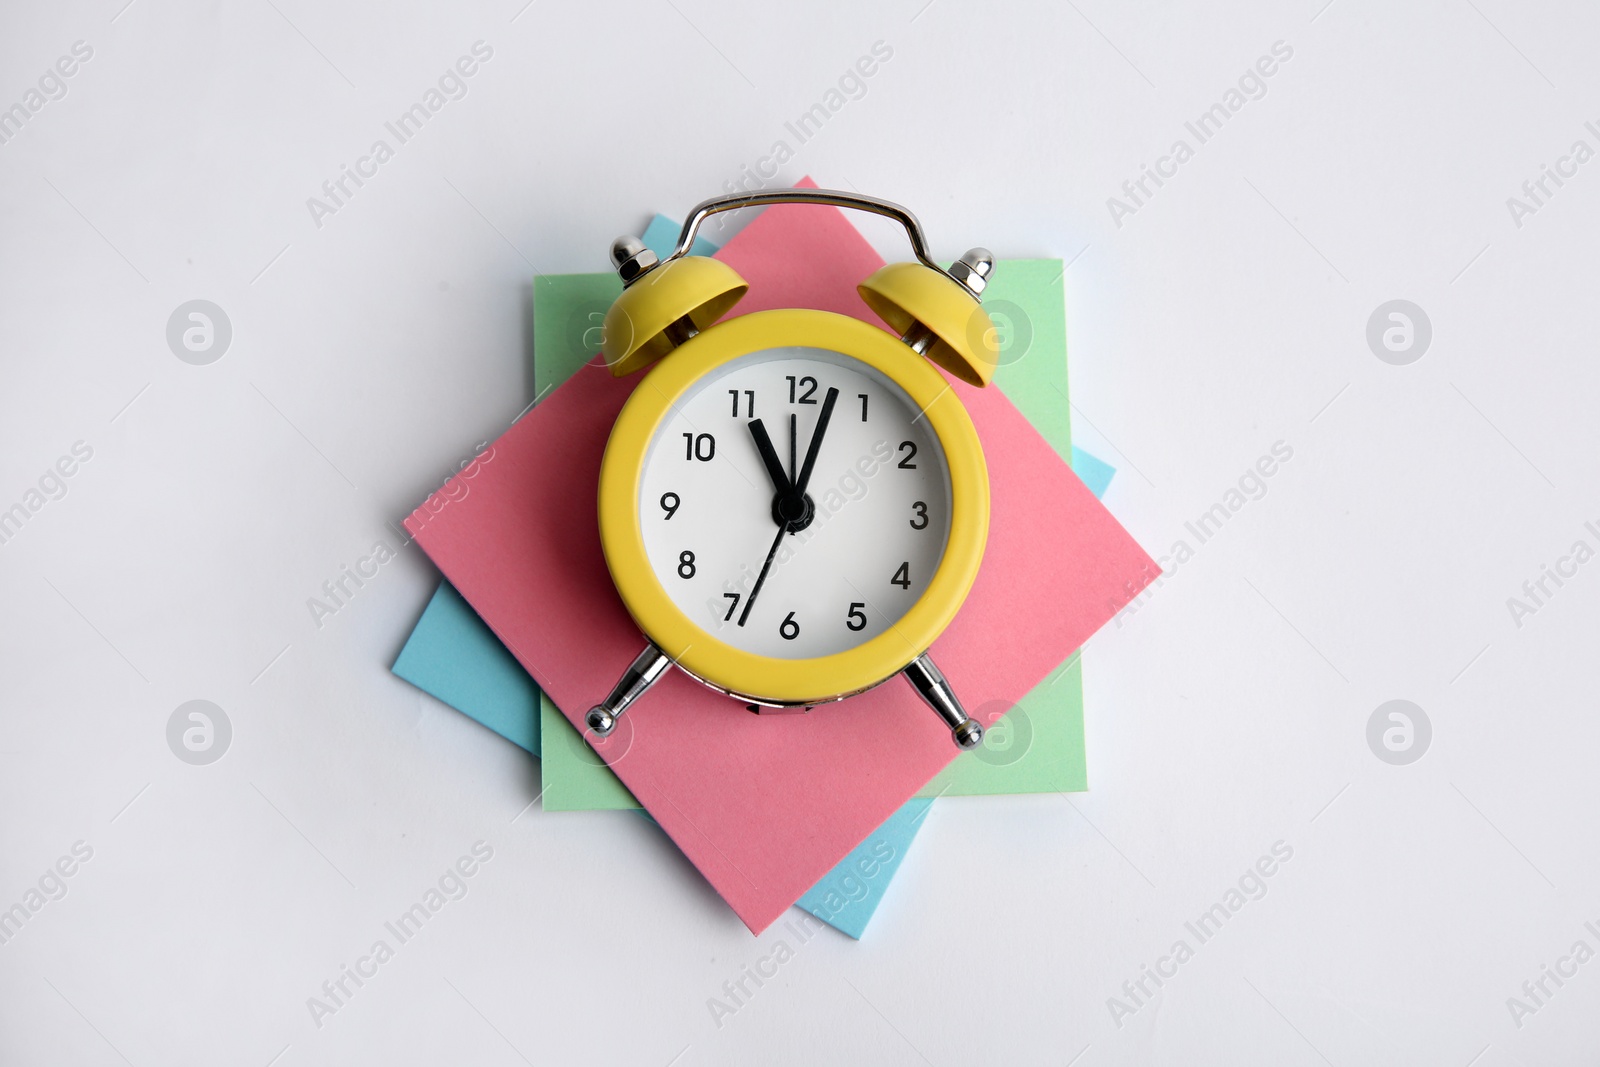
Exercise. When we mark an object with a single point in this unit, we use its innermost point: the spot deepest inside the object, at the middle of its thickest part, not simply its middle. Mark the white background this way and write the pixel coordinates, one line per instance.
(1229, 712)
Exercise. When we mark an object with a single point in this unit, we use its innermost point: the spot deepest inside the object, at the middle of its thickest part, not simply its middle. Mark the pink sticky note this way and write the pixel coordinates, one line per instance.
(764, 806)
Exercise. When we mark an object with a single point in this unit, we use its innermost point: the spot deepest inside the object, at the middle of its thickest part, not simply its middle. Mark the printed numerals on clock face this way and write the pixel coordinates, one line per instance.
(723, 528)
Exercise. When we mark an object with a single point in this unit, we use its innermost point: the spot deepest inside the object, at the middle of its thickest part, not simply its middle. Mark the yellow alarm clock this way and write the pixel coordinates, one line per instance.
(793, 503)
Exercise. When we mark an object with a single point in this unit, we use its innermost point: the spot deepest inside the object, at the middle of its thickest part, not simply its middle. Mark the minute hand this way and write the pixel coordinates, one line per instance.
(816, 442)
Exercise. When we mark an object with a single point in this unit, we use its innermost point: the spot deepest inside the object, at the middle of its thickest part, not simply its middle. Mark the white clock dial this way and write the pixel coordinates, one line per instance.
(879, 493)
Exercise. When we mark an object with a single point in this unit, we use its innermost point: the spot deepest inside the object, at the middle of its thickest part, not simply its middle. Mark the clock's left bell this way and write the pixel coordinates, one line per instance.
(663, 304)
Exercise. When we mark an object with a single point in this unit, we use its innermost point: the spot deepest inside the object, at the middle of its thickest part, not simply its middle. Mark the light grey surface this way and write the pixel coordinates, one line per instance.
(370, 354)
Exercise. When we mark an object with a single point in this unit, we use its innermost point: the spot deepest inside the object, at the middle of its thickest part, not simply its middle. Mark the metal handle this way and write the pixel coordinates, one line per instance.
(827, 197)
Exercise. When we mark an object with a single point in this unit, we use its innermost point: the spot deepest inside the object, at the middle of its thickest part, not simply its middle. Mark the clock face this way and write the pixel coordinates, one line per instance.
(847, 559)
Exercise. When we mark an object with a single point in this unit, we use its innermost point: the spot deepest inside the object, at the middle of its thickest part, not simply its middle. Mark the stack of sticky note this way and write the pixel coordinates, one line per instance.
(816, 810)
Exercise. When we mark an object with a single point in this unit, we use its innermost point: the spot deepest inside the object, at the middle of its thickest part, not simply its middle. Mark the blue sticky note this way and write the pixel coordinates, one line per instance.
(453, 655)
(848, 895)
(1092, 471)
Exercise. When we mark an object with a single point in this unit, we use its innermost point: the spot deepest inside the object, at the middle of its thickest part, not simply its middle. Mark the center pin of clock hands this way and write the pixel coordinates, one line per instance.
(792, 509)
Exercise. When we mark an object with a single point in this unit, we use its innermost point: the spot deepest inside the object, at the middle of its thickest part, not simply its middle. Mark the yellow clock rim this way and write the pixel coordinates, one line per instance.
(745, 674)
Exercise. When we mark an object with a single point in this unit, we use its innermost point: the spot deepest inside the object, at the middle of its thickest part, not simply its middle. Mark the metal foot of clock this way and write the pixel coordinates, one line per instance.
(924, 676)
(931, 686)
(646, 669)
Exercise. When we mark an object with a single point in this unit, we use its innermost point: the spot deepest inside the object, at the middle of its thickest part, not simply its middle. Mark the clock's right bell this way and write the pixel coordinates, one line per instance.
(938, 314)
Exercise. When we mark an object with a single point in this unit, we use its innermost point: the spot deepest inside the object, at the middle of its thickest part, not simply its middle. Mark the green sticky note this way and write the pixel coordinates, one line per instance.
(575, 779)
(1024, 299)
(569, 311)
(1038, 746)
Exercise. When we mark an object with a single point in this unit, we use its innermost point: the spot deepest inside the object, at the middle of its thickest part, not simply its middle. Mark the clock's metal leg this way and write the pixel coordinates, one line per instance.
(641, 674)
(930, 684)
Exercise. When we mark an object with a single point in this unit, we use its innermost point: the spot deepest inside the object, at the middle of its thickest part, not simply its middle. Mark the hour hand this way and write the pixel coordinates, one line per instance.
(769, 458)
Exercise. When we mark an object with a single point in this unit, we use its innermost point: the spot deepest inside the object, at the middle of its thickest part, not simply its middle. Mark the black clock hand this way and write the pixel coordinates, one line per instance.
(784, 485)
(794, 423)
(789, 509)
(816, 441)
(769, 458)
(762, 577)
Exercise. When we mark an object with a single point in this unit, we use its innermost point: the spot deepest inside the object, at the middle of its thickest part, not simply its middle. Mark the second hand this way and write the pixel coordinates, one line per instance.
(762, 577)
